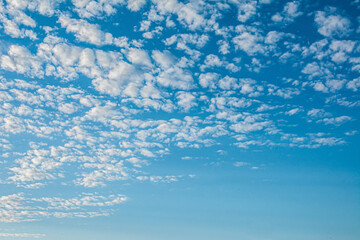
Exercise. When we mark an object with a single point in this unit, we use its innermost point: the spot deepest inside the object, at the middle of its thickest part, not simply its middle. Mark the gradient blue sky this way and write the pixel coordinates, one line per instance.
(155, 119)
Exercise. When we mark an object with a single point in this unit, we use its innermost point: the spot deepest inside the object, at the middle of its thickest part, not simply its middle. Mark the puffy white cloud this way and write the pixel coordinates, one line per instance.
(19, 208)
(186, 100)
(187, 42)
(85, 31)
(135, 5)
(335, 121)
(150, 91)
(250, 43)
(101, 8)
(208, 80)
(139, 56)
(353, 84)
(104, 113)
(12, 29)
(293, 111)
(186, 13)
(147, 153)
(93, 8)
(241, 164)
(335, 85)
(291, 9)
(176, 78)
(117, 79)
(36, 165)
(313, 70)
(103, 172)
(273, 37)
(224, 47)
(211, 60)
(228, 83)
(68, 108)
(165, 59)
(246, 9)
(285, 93)
(330, 141)
(19, 59)
(250, 124)
(44, 7)
(319, 86)
(317, 113)
(341, 50)
(289, 13)
(332, 25)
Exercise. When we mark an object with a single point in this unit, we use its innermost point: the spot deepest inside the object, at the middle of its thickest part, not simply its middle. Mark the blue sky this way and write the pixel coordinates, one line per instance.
(155, 119)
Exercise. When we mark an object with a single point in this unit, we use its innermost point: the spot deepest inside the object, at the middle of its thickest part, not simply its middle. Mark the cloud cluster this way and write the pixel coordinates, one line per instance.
(90, 95)
(19, 208)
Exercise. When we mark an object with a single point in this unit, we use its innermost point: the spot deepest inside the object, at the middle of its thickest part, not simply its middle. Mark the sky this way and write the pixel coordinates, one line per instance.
(170, 119)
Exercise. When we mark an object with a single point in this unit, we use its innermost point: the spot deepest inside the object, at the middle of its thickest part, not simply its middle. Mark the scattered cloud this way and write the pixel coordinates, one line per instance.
(94, 92)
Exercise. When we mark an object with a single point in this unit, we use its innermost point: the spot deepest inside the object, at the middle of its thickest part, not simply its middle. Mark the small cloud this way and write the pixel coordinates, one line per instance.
(241, 164)
(332, 25)
(22, 235)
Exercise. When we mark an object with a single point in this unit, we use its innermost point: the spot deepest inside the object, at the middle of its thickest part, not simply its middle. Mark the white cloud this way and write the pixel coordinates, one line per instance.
(289, 13)
(224, 47)
(246, 9)
(332, 25)
(319, 86)
(312, 69)
(100, 110)
(186, 13)
(165, 59)
(336, 121)
(19, 59)
(101, 8)
(162, 179)
(249, 124)
(186, 100)
(293, 111)
(12, 29)
(228, 83)
(36, 165)
(12, 124)
(249, 43)
(19, 208)
(341, 50)
(117, 79)
(85, 31)
(291, 9)
(139, 56)
(93, 8)
(241, 164)
(176, 78)
(135, 5)
(208, 80)
(273, 37)
(22, 235)
(335, 85)
(44, 7)
(353, 84)
(68, 108)
(285, 93)
(147, 153)
(211, 60)
(330, 141)
(317, 113)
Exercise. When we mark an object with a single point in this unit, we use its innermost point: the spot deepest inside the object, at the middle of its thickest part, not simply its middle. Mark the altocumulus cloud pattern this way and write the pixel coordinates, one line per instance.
(99, 99)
